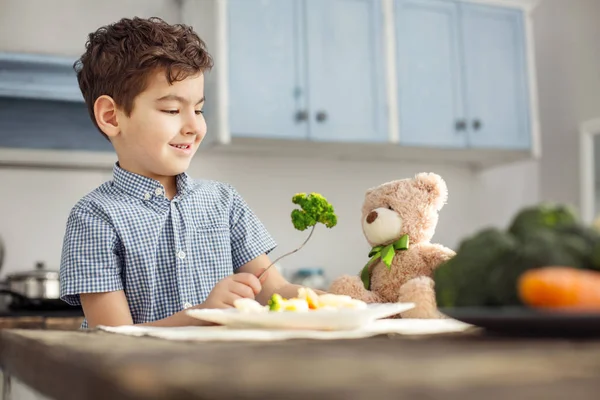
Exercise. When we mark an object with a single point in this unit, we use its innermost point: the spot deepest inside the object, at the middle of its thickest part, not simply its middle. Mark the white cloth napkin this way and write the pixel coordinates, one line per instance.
(221, 333)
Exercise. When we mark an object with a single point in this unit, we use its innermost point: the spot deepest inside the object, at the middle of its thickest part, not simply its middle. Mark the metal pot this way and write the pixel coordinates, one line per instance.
(1, 252)
(37, 284)
(39, 288)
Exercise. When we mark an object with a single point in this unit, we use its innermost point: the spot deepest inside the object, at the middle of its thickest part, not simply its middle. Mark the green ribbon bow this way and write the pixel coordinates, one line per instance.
(386, 254)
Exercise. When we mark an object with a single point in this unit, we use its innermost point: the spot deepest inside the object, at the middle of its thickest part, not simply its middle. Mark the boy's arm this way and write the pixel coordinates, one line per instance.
(111, 309)
(108, 308)
(273, 281)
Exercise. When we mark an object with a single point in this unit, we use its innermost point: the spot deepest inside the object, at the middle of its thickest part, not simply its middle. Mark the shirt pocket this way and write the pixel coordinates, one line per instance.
(211, 237)
(208, 221)
(212, 257)
(212, 244)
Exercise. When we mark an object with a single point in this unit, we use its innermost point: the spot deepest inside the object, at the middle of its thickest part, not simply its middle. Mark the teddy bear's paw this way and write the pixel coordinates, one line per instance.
(420, 291)
(343, 285)
(353, 286)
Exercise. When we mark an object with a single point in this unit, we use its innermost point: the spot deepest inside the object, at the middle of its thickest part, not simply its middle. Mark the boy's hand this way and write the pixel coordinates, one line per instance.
(236, 286)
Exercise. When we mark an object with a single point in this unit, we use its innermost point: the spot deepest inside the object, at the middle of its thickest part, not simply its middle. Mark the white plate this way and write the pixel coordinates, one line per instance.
(322, 320)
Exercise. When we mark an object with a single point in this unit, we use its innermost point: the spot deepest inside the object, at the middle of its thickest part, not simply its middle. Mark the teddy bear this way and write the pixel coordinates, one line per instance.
(399, 219)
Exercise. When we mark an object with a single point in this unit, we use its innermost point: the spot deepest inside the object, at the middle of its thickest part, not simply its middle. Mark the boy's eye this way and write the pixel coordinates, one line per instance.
(198, 112)
(172, 112)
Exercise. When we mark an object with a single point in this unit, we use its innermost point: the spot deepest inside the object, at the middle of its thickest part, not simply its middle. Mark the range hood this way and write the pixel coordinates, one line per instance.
(40, 77)
(44, 121)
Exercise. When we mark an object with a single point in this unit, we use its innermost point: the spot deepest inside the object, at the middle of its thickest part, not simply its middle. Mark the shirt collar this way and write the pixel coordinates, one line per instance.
(145, 188)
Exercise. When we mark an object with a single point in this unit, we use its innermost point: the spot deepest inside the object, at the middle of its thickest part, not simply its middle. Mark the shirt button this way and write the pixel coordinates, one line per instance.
(147, 196)
(181, 254)
(158, 191)
(187, 305)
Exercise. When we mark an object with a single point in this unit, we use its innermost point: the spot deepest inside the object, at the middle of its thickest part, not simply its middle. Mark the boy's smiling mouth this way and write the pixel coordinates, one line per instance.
(182, 146)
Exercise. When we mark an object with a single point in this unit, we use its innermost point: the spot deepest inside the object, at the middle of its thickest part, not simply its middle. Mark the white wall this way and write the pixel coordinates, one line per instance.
(568, 58)
(61, 26)
(34, 203)
(501, 192)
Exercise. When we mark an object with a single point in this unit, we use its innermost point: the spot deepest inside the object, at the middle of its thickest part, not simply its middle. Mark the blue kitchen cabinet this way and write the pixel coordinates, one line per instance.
(430, 96)
(306, 69)
(267, 95)
(345, 71)
(495, 69)
(462, 75)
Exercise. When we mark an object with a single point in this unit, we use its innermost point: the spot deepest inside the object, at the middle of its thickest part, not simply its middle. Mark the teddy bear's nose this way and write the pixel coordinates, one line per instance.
(371, 217)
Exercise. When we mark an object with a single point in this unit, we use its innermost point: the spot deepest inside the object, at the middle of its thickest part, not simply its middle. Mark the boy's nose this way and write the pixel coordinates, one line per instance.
(194, 127)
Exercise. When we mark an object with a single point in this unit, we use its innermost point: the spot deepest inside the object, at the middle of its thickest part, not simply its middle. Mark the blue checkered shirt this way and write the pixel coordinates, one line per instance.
(165, 255)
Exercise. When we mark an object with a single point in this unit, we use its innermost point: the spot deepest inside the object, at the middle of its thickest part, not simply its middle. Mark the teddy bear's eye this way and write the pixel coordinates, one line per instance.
(390, 208)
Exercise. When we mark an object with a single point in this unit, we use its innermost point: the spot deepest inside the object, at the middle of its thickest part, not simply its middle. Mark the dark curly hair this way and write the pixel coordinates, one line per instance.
(119, 58)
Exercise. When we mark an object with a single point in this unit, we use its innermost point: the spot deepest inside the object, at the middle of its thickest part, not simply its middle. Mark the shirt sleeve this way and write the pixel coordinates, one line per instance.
(249, 237)
(89, 261)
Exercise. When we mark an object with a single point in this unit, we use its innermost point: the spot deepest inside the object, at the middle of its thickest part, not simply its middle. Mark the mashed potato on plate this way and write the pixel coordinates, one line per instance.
(307, 300)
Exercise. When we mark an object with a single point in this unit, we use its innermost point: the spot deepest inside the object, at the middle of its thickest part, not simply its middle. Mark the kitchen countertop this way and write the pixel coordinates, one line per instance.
(67, 319)
(40, 322)
(99, 365)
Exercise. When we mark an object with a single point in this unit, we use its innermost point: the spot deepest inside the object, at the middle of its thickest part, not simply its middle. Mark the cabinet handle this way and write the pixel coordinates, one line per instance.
(321, 116)
(301, 116)
(477, 124)
(460, 125)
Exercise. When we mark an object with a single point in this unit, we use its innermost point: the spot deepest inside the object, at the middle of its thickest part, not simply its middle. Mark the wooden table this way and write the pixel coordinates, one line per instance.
(97, 365)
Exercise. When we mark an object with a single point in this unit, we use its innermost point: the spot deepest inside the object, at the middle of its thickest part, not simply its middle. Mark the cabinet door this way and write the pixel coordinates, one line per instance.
(430, 84)
(496, 77)
(345, 74)
(265, 87)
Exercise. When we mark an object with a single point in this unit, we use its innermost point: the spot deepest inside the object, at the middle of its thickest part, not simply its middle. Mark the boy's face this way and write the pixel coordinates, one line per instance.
(165, 128)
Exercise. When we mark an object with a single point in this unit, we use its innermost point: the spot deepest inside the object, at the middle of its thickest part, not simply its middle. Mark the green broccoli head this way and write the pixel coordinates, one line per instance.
(314, 209)
(587, 239)
(542, 216)
(276, 302)
(464, 280)
(487, 265)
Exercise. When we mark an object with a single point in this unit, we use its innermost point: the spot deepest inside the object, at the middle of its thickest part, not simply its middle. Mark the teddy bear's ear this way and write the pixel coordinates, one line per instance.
(372, 189)
(434, 186)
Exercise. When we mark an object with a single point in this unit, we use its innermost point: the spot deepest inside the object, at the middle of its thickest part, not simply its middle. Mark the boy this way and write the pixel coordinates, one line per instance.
(152, 242)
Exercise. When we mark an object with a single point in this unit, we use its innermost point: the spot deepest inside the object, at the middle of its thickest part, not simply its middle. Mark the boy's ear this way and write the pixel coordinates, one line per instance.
(105, 111)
